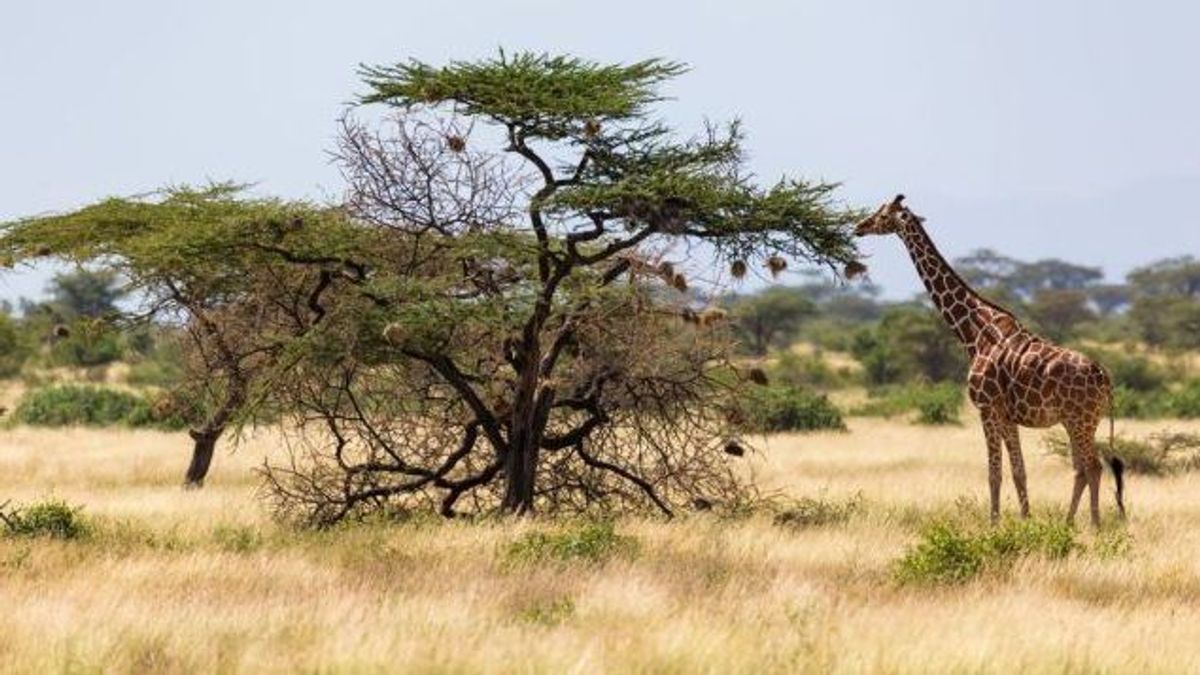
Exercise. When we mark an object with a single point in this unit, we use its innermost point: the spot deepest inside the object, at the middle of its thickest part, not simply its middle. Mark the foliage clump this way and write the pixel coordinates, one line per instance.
(909, 344)
(952, 552)
(935, 404)
(1129, 370)
(1180, 401)
(588, 542)
(93, 406)
(810, 370)
(52, 518)
(782, 408)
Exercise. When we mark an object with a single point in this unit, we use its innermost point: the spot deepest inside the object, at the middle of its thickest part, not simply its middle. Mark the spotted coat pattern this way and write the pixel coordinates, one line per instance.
(1016, 377)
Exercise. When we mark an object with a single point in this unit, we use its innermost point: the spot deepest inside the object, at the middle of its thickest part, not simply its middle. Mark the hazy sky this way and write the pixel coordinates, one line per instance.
(1067, 128)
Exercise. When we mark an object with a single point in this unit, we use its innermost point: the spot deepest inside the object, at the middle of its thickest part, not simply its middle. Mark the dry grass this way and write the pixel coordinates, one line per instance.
(174, 581)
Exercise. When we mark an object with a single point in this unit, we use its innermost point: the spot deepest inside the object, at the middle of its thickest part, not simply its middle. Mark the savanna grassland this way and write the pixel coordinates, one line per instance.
(164, 580)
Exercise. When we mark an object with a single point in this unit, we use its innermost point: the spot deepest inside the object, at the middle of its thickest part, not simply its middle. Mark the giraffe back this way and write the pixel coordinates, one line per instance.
(1036, 383)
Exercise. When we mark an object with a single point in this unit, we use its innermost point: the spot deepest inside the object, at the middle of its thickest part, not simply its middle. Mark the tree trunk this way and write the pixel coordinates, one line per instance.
(520, 475)
(520, 464)
(531, 411)
(206, 436)
(205, 442)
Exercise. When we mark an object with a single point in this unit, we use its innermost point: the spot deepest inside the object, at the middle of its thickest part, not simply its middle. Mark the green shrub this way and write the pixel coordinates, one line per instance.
(940, 405)
(1159, 455)
(808, 371)
(1130, 371)
(74, 405)
(935, 404)
(1184, 402)
(1132, 404)
(780, 408)
(952, 553)
(52, 518)
(809, 512)
(909, 344)
(591, 542)
(1181, 402)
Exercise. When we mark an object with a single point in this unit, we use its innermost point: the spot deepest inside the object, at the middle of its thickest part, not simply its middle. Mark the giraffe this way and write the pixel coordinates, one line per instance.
(1016, 377)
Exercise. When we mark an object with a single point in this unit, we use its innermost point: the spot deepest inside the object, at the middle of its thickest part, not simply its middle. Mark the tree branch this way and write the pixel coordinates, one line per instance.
(636, 480)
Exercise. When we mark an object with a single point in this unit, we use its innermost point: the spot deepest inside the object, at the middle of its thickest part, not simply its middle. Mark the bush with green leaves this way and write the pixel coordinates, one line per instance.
(909, 343)
(935, 404)
(76, 405)
(52, 518)
(1181, 401)
(808, 370)
(1184, 401)
(1130, 371)
(588, 542)
(781, 408)
(952, 552)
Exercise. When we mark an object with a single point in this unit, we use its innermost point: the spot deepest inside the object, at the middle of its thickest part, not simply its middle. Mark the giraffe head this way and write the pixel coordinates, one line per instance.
(888, 219)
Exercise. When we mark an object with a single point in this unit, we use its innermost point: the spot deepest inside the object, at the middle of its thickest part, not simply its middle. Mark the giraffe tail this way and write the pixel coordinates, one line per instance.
(1114, 462)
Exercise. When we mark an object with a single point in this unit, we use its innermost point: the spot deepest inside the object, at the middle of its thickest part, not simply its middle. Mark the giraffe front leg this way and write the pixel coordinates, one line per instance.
(994, 435)
(1012, 438)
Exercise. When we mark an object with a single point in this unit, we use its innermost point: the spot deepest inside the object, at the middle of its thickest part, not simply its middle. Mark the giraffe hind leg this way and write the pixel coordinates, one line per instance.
(1094, 470)
(1087, 469)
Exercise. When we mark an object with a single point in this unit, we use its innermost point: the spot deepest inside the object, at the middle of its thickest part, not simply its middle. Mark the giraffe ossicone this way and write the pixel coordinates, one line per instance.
(1017, 378)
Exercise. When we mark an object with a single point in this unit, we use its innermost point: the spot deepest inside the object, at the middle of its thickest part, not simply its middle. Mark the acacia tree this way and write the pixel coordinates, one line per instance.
(207, 262)
(537, 345)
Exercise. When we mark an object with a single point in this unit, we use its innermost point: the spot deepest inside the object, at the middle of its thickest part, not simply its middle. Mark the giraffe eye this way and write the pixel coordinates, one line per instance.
(903, 216)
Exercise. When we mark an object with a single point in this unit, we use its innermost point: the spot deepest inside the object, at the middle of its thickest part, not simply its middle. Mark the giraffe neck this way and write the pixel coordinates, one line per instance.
(964, 310)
